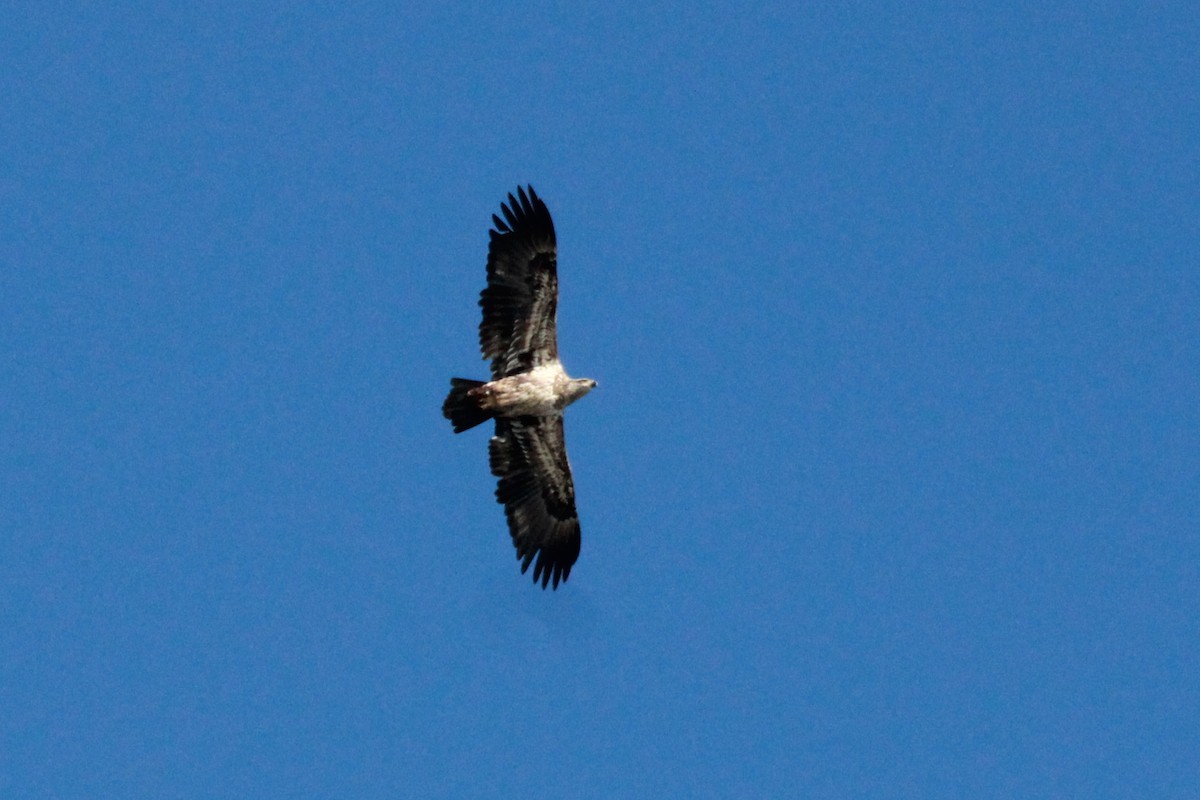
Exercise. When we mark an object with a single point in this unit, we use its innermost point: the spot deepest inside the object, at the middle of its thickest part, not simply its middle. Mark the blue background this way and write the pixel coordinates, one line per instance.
(890, 488)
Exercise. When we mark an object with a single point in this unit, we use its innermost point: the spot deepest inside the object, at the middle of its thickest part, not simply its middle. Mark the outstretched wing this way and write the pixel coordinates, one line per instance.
(529, 456)
(520, 302)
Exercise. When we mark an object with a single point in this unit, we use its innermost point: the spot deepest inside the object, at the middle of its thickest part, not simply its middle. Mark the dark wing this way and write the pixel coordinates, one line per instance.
(529, 456)
(520, 302)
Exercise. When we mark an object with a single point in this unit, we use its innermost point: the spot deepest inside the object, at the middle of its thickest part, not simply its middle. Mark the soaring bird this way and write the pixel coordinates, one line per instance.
(528, 391)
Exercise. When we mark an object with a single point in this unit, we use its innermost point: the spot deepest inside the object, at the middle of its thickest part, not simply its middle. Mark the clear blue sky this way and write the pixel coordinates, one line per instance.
(890, 487)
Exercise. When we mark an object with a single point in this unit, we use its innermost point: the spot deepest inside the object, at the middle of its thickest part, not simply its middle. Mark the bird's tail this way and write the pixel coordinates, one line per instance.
(461, 408)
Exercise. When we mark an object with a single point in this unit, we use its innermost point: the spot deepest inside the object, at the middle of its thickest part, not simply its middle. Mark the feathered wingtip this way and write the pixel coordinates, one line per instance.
(524, 210)
(553, 564)
(461, 408)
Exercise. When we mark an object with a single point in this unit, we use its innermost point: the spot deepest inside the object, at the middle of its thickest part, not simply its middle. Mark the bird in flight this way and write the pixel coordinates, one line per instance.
(528, 391)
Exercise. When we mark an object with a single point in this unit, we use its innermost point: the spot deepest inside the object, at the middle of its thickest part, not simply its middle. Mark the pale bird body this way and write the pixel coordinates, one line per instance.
(542, 391)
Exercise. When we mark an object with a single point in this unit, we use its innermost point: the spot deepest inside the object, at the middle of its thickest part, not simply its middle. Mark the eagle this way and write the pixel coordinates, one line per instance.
(528, 391)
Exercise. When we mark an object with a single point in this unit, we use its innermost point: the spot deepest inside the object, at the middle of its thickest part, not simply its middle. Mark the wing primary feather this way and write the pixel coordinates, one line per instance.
(507, 208)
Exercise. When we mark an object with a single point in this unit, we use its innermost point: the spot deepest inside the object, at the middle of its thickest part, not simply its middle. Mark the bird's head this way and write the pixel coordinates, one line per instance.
(580, 387)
